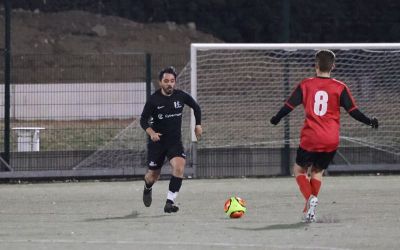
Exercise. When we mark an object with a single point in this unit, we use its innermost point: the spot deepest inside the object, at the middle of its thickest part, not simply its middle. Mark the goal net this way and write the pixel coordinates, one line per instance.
(240, 86)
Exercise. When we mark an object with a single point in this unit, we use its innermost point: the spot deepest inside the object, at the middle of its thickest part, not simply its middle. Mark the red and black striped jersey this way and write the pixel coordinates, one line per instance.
(322, 98)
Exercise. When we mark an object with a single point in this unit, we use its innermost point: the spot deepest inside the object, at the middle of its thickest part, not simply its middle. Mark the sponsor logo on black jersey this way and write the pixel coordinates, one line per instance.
(177, 105)
(173, 115)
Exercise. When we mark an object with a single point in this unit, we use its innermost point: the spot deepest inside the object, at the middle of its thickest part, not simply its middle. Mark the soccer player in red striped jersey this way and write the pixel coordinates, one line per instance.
(322, 97)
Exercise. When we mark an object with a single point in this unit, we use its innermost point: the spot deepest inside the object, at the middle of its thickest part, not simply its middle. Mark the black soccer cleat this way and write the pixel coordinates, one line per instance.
(147, 198)
(170, 208)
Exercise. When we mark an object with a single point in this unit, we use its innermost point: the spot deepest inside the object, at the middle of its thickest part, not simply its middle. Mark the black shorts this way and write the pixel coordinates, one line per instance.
(157, 151)
(320, 160)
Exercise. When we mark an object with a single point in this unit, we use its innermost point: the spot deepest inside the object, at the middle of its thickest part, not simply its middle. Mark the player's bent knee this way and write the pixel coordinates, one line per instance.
(178, 162)
(153, 175)
(298, 170)
(178, 166)
(317, 170)
(317, 173)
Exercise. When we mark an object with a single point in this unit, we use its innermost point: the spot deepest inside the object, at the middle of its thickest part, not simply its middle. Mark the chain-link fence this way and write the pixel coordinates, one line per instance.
(78, 112)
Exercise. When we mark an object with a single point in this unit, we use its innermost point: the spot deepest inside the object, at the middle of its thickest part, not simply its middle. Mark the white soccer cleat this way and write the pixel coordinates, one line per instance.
(311, 209)
(304, 218)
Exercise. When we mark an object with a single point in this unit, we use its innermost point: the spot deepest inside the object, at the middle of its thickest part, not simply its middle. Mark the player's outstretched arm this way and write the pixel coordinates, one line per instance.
(281, 113)
(348, 103)
(188, 100)
(195, 106)
(144, 122)
(359, 116)
(293, 101)
(145, 116)
(198, 131)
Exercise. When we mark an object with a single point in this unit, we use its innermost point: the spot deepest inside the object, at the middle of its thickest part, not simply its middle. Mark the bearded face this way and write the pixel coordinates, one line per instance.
(167, 84)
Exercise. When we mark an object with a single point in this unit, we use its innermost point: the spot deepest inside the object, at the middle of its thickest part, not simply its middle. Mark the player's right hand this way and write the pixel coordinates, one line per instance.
(374, 123)
(155, 136)
(275, 120)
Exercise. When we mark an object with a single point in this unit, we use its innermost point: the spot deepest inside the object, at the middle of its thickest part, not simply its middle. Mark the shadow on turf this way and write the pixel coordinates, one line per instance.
(132, 215)
(275, 227)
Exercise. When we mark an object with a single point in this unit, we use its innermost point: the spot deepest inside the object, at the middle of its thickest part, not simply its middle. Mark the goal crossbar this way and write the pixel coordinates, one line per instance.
(290, 46)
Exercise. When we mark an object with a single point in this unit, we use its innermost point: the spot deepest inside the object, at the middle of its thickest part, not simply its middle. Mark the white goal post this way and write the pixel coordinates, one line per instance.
(240, 85)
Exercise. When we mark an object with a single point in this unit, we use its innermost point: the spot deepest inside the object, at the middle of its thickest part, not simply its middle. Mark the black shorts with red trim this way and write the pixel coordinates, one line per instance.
(320, 160)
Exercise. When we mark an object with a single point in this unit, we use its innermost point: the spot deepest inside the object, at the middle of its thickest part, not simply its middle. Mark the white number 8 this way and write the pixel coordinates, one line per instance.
(320, 103)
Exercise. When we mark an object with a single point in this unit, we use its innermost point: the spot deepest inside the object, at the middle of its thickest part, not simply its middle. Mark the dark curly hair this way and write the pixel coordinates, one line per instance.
(168, 70)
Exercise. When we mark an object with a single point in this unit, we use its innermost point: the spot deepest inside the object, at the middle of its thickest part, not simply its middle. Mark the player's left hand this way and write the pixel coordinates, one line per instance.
(275, 120)
(198, 130)
(374, 122)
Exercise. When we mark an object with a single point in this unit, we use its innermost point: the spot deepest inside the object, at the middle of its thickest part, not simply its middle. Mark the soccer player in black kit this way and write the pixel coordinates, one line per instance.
(162, 120)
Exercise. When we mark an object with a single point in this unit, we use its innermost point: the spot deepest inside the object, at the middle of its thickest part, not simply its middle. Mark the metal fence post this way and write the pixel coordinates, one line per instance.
(7, 80)
(148, 75)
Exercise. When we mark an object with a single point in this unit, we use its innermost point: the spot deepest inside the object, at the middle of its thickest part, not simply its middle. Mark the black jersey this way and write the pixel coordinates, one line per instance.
(165, 113)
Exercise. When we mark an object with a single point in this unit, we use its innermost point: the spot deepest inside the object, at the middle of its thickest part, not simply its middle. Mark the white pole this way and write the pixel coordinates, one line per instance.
(193, 87)
(295, 46)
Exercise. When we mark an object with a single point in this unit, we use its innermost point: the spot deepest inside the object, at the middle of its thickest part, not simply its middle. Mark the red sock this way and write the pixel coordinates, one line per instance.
(315, 186)
(304, 185)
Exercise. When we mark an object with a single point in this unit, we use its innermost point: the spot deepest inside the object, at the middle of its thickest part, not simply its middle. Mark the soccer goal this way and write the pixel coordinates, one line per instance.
(240, 86)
